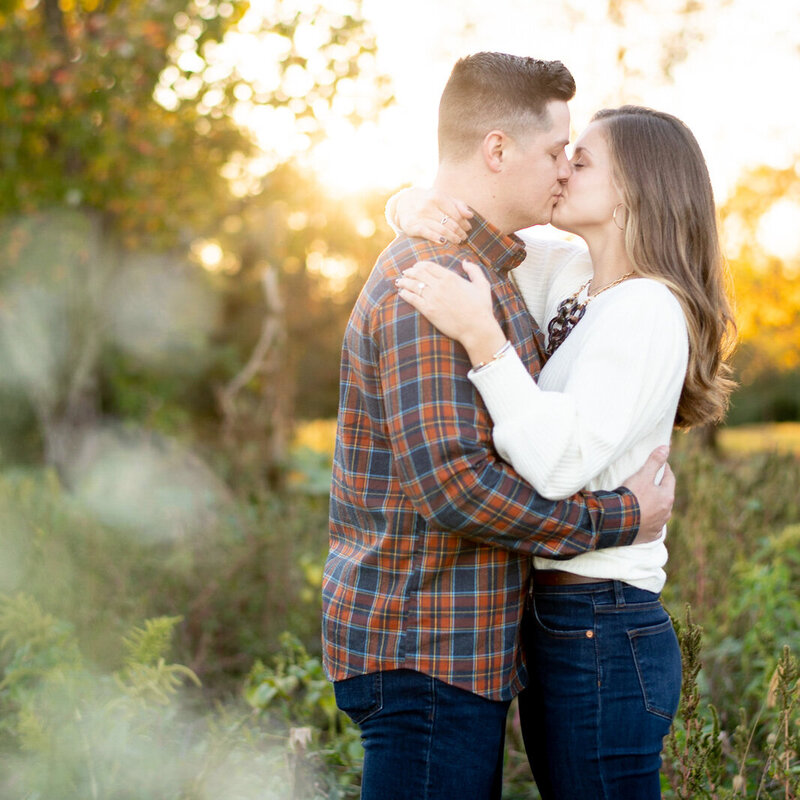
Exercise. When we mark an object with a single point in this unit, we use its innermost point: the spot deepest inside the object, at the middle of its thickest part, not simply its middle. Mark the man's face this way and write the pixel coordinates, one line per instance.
(536, 165)
(590, 195)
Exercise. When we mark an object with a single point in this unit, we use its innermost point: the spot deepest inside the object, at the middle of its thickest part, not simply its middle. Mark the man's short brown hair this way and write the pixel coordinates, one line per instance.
(488, 91)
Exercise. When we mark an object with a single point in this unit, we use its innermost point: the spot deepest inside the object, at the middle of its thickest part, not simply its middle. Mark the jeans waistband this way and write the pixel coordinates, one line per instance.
(613, 592)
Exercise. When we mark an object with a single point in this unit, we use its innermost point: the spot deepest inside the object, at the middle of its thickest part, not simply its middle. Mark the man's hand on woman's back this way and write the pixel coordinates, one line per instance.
(655, 498)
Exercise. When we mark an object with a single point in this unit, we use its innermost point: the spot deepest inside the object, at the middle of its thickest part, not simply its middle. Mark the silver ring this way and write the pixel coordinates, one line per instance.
(444, 220)
(421, 288)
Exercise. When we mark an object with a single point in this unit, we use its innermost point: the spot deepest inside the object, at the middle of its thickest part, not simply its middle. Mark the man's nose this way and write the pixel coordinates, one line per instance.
(564, 169)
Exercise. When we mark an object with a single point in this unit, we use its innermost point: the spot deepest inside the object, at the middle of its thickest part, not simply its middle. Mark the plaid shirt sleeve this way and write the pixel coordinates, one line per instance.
(441, 440)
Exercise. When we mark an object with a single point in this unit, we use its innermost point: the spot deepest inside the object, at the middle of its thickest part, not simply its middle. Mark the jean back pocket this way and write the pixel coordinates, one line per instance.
(360, 697)
(657, 656)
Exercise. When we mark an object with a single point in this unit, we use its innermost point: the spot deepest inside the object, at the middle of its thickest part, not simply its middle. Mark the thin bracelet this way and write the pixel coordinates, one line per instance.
(495, 357)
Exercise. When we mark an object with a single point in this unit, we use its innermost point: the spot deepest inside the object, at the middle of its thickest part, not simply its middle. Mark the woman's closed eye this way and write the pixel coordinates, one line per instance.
(577, 164)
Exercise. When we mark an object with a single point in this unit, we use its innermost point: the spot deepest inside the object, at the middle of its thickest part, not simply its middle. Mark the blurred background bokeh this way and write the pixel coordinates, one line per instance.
(191, 196)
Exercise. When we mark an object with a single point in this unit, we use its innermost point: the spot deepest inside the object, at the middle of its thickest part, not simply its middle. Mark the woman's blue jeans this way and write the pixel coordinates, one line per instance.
(604, 684)
(424, 739)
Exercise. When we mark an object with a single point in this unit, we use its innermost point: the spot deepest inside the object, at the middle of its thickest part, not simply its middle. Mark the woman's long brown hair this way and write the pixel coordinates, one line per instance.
(671, 236)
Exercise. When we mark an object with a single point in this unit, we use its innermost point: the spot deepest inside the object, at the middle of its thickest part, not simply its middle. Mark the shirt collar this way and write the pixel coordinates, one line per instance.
(492, 247)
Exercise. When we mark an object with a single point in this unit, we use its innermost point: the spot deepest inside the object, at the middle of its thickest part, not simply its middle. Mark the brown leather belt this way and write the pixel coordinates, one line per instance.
(556, 577)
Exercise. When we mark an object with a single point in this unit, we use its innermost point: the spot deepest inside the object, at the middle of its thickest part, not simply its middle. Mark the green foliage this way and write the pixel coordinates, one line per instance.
(74, 729)
(70, 732)
(310, 470)
(128, 108)
(759, 759)
(146, 645)
(80, 125)
(724, 509)
(123, 134)
(146, 677)
(89, 697)
(759, 619)
(771, 395)
(295, 692)
(694, 743)
(239, 576)
(734, 547)
(783, 758)
(40, 645)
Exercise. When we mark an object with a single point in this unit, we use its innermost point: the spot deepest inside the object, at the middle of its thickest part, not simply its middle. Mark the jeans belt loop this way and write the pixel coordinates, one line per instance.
(619, 594)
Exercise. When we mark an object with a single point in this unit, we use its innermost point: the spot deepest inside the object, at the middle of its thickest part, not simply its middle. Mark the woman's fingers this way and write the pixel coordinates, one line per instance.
(415, 286)
(437, 284)
(452, 303)
(442, 229)
(474, 272)
(449, 230)
(427, 281)
(435, 232)
(411, 298)
(432, 300)
(442, 217)
(465, 211)
(432, 215)
(454, 221)
(430, 271)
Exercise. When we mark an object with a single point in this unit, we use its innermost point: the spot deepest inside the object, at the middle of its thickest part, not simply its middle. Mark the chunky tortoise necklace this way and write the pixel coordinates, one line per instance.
(570, 312)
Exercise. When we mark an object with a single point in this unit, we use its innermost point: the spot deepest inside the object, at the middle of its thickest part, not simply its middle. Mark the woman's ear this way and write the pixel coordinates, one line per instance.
(493, 150)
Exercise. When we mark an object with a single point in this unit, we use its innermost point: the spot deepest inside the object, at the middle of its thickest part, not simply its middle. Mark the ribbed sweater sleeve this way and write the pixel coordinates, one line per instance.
(620, 383)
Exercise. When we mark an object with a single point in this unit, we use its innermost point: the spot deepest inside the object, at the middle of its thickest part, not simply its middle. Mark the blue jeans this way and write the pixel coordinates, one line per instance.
(424, 739)
(604, 670)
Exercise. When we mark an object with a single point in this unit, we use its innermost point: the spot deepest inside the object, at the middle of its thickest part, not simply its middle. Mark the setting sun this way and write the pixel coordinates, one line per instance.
(634, 66)
(779, 230)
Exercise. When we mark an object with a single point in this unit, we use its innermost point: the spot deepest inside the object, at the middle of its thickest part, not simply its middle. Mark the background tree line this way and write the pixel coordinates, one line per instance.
(119, 160)
(118, 134)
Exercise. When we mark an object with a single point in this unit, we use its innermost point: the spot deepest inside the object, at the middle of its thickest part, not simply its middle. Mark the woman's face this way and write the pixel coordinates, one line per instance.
(590, 195)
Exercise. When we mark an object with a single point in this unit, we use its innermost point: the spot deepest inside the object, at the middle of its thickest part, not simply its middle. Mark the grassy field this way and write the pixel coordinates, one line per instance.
(783, 437)
(105, 628)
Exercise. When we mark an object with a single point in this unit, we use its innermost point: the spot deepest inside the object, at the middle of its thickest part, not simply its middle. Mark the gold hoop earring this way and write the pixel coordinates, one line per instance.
(614, 215)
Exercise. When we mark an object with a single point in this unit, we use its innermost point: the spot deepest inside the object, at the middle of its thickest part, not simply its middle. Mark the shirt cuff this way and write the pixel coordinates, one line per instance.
(619, 517)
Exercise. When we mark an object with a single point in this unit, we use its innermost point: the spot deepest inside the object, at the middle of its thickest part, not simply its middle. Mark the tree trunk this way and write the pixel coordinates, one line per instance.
(54, 24)
(255, 405)
(708, 437)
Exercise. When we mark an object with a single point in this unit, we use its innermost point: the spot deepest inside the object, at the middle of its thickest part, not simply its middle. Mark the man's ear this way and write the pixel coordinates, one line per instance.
(493, 149)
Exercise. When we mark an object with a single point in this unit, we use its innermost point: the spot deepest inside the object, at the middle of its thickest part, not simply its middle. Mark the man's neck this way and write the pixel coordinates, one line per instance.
(470, 183)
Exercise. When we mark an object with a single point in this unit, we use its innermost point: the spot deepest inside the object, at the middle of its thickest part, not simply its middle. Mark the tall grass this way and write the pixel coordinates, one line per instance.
(250, 568)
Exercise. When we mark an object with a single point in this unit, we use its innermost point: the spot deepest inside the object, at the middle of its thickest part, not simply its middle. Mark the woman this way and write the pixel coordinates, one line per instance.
(638, 329)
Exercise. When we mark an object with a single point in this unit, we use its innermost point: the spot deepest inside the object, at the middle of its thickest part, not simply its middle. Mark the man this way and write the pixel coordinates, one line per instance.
(430, 533)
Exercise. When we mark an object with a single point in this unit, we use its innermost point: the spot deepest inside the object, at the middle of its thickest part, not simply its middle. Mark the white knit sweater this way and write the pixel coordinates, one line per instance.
(605, 399)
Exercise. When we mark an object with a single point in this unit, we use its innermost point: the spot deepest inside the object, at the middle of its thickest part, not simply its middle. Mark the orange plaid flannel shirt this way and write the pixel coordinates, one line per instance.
(430, 532)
